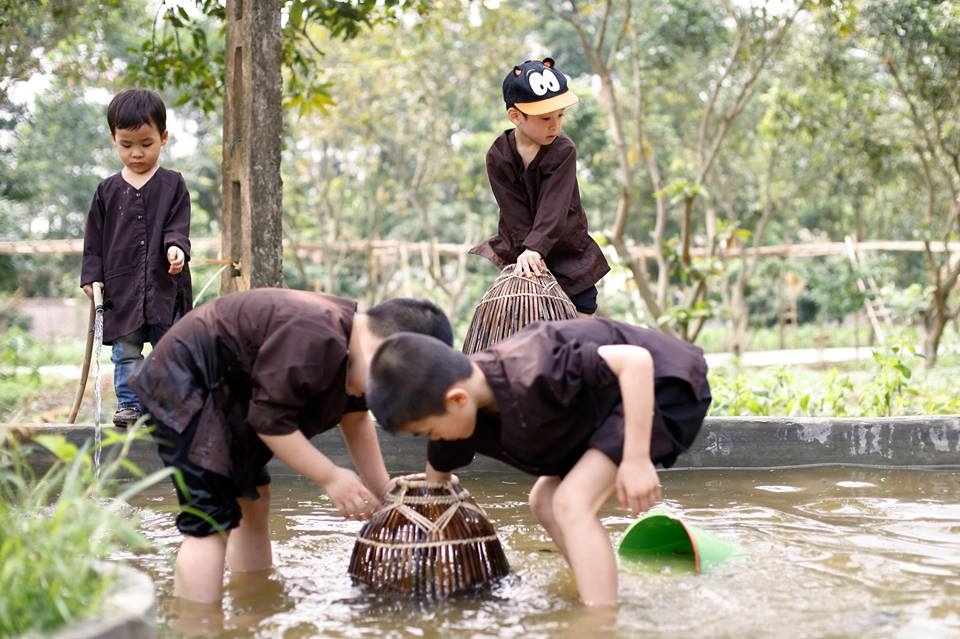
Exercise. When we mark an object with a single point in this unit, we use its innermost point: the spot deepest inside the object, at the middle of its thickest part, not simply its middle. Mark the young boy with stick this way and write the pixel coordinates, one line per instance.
(136, 242)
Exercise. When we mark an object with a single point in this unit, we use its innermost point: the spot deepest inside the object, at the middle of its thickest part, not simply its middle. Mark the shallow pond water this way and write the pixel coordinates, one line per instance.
(829, 551)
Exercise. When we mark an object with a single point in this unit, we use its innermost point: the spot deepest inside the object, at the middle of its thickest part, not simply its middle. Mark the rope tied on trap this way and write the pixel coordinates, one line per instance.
(512, 302)
(429, 541)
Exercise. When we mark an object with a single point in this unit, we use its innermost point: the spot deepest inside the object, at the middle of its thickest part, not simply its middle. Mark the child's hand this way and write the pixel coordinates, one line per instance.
(391, 485)
(88, 288)
(349, 495)
(638, 486)
(175, 257)
(530, 263)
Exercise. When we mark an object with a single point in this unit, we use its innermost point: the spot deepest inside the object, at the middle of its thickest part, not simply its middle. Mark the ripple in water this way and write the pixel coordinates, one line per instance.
(828, 551)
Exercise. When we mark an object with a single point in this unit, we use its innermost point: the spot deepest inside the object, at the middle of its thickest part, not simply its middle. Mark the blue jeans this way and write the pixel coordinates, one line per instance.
(127, 355)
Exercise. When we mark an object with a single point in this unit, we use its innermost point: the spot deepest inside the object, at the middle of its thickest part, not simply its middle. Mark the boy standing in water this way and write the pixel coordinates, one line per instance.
(136, 242)
(255, 374)
(588, 406)
(532, 170)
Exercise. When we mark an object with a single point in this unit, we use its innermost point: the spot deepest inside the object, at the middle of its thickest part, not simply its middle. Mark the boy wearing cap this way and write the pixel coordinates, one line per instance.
(532, 170)
(589, 406)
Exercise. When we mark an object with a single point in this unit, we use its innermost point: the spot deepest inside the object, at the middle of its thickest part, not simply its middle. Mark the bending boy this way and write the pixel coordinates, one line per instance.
(257, 374)
(590, 406)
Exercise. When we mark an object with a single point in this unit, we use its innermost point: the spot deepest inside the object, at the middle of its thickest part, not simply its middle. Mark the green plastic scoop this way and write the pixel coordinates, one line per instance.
(658, 536)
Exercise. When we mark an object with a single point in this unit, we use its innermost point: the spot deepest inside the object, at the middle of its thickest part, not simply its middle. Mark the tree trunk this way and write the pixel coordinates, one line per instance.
(252, 236)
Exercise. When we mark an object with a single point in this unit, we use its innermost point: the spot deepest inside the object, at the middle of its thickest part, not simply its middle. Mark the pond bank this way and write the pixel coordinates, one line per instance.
(724, 442)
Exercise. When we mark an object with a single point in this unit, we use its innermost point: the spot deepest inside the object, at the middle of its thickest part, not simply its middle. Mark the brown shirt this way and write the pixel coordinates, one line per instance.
(125, 242)
(557, 397)
(265, 361)
(540, 210)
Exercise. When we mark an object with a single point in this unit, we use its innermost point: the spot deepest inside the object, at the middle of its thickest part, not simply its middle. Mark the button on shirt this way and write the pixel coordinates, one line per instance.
(125, 245)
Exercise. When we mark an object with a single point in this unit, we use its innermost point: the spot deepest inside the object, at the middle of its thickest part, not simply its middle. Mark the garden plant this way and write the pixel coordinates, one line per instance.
(59, 525)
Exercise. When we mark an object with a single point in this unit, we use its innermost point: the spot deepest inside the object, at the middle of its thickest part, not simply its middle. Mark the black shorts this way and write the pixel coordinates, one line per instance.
(677, 420)
(586, 301)
(208, 500)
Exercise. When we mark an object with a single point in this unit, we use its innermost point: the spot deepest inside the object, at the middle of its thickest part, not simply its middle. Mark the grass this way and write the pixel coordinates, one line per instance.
(58, 528)
(19, 350)
(893, 382)
(32, 392)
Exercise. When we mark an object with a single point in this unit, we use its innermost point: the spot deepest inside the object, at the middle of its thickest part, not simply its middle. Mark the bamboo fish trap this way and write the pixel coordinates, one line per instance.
(430, 540)
(513, 302)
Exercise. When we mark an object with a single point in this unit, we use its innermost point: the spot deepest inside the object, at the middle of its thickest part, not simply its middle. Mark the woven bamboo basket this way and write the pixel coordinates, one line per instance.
(430, 540)
(512, 302)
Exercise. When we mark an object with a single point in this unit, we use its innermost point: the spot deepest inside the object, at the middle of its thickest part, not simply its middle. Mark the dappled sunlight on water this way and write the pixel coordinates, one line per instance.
(826, 552)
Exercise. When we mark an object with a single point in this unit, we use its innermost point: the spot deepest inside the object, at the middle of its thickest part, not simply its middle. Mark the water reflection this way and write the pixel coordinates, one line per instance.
(828, 552)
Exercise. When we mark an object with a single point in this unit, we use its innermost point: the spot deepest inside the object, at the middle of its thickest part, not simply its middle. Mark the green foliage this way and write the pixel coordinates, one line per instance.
(58, 528)
(387, 128)
(186, 50)
(19, 348)
(891, 388)
(31, 33)
(15, 385)
(16, 391)
(59, 113)
(10, 316)
(15, 342)
(889, 392)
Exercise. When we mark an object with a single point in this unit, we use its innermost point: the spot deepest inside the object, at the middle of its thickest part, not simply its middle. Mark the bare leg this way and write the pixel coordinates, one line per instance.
(576, 502)
(541, 503)
(249, 548)
(194, 619)
(198, 575)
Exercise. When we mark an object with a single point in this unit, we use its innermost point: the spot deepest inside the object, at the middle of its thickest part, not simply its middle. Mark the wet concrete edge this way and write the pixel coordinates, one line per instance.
(128, 613)
(723, 442)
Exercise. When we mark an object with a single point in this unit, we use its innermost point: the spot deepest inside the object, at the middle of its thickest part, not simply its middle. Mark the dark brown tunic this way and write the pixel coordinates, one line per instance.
(540, 210)
(265, 361)
(557, 397)
(128, 232)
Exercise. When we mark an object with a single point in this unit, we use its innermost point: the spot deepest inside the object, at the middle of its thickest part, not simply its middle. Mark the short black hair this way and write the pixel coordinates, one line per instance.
(403, 314)
(132, 108)
(409, 378)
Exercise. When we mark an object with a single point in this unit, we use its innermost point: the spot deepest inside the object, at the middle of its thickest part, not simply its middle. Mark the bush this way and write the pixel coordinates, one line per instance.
(57, 528)
(889, 388)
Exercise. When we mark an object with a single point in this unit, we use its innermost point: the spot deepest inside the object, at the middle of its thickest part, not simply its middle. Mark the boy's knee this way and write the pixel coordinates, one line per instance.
(539, 506)
(540, 494)
(568, 507)
(256, 510)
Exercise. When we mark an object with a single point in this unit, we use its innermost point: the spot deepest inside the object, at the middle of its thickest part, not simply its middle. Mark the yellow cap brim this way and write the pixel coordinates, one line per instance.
(557, 102)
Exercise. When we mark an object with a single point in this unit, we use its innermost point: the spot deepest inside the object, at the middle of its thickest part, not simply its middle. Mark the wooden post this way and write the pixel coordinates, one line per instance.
(252, 235)
(789, 314)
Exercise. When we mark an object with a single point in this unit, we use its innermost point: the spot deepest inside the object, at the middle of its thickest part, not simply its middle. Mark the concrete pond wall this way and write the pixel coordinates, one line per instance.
(724, 442)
